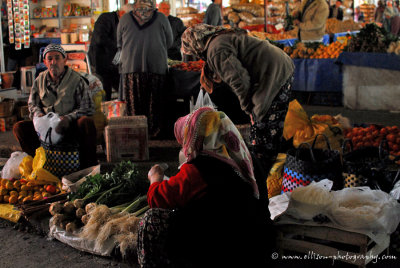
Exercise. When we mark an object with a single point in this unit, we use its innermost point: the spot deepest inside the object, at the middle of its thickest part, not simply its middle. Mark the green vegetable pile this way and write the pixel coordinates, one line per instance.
(371, 38)
(123, 185)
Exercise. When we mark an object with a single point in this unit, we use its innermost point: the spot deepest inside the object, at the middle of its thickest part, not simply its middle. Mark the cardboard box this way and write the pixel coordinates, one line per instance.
(7, 123)
(113, 108)
(127, 139)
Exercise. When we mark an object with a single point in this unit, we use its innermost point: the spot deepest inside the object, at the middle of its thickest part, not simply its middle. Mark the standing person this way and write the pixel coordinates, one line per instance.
(311, 20)
(215, 182)
(174, 52)
(213, 13)
(63, 91)
(336, 11)
(259, 73)
(143, 38)
(358, 15)
(103, 47)
(379, 12)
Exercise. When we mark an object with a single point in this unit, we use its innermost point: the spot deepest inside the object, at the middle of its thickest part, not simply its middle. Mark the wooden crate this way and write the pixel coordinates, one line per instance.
(328, 242)
(127, 139)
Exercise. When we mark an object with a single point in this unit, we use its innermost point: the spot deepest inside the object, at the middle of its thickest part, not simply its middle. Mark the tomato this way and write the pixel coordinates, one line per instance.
(383, 131)
(391, 137)
(367, 144)
(51, 189)
(359, 144)
(398, 140)
(375, 133)
(395, 147)
(349, 135)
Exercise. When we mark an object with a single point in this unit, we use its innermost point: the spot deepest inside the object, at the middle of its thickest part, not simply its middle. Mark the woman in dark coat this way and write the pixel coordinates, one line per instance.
(208, 214)
(259, 73)
(143, 38)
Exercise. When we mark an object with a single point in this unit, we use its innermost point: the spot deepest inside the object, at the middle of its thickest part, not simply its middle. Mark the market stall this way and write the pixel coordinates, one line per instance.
(371, 81)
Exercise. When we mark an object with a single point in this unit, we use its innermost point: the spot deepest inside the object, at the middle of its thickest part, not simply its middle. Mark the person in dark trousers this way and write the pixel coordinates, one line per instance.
(213, 13)
(335, 11)
(174, 52)
(103, 47)
(65, 92)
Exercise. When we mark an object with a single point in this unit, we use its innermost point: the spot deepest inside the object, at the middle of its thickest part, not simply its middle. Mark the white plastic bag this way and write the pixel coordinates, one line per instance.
(42, 125)
(71, 182)
(203, 100)
(364, 209)
(11, 168)
(311, 200)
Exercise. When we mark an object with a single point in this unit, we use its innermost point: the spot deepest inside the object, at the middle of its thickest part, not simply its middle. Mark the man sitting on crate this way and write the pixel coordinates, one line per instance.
(63, 91)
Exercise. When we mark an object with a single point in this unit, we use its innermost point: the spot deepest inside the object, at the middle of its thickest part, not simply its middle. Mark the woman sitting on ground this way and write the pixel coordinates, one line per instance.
(208, 213)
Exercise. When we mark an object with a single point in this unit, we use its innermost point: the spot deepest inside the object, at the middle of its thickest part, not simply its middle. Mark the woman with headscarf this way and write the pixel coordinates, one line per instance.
(215, 196)
(143, 38)
(259, 73)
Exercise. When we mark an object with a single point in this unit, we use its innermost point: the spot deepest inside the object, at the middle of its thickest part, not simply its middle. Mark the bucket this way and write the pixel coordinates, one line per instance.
(7, 79)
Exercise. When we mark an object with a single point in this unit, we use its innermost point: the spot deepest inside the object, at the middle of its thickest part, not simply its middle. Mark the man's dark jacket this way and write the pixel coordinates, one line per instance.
(174, 52)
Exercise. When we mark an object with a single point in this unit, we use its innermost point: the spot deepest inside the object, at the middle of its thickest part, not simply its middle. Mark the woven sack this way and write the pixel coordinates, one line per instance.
(362, 165)
(62, 158)
(306, 164)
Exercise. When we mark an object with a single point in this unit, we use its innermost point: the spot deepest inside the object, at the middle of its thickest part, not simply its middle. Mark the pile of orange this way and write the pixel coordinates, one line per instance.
(331, 51)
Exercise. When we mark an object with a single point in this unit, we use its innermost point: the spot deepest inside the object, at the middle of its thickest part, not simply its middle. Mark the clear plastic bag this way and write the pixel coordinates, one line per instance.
(311, 200)
(11, 168)
(42, 125)
(364, 209)
(203, 100)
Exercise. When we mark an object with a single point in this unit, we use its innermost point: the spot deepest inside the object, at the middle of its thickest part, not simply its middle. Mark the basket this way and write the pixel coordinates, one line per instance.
(6, 107)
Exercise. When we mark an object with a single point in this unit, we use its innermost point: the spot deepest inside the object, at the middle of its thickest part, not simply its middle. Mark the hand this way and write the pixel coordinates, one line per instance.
(63, 125)
(156, 174)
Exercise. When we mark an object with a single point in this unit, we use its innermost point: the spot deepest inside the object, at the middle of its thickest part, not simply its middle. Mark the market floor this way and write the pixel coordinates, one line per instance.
(28, 249)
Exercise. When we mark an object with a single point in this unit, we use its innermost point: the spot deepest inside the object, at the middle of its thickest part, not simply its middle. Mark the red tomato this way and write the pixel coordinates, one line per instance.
(395, 147)
(51, 189)
(375, 133)
(391, 137)
(367, 144)
(383, 131)
(398, 141)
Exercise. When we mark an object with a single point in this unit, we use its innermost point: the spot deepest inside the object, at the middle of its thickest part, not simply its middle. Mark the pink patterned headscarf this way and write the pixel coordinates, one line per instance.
(207, 131)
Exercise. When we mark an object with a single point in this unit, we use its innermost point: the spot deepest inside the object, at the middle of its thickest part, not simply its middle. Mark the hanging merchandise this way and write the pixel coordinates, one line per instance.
(18, 23)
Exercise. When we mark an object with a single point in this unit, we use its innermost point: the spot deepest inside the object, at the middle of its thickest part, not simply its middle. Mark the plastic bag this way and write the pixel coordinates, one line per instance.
(39, 175)
(203, 100)
(11, 168)
(71, 182)
(42, 125)
(304, 129)
(364, 209)
(25, 168)
(311, 200)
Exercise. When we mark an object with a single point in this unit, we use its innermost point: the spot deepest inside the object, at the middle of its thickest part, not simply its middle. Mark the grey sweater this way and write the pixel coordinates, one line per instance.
(144, 50)
(253, 68)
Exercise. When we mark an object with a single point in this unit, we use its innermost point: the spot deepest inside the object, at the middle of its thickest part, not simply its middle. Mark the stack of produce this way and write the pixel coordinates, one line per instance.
(373, 135)
(241, 15)
(191, 66)
(394, 47)
(315, 50)
(119, 200)
(22, 191)
(371, 38)
(368, 11)
(278, 36)
(189, 16)
(334, 25)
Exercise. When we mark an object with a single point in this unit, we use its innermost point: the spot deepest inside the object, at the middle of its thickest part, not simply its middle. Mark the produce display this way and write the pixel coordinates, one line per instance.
(371, 38)
(315, 51)
(394, 47)
(334, 25)
(369, 11)
(373, 135)
(191, 66)
(277, 36)
(241, 15)
(23, 191)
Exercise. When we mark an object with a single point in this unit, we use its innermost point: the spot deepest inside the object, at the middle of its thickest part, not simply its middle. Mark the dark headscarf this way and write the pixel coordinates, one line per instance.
(195, 39)
(143, 11)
